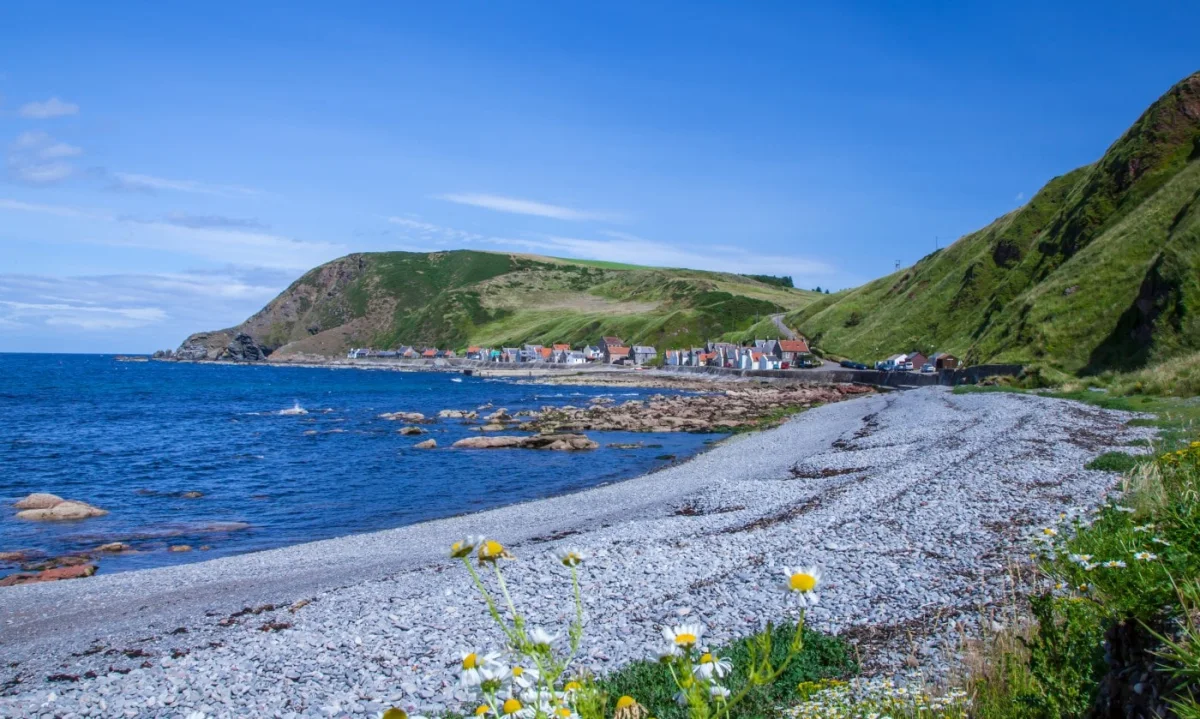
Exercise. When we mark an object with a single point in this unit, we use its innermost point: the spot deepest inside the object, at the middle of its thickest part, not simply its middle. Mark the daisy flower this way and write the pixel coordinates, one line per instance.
(570, 556)
(683, 636)
(511, 706)
(490, 551)
(667, 652)
(1145, 556)
(1080, 558)
(1160, 540)
(541, 638)
(1114, 564)
(709, 666)
(803, 581)
(1049, 532)
(718, 692)
(1144, 528)
(1121, 508)
(466, 545)
(482, 710)
(524, 678)
(474, 666)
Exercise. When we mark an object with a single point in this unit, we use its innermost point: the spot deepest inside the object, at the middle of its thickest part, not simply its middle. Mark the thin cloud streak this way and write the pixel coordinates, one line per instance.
(53, 107)
(136, 182)
(517, 206)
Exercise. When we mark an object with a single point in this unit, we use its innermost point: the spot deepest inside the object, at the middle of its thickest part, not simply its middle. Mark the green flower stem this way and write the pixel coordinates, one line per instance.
(487, 597)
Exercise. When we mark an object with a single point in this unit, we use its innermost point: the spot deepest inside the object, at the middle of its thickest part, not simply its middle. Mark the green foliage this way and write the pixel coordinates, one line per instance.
(1066, 658)
(823, 656)
(1113, 462)
(779, 281)
(1099, 271)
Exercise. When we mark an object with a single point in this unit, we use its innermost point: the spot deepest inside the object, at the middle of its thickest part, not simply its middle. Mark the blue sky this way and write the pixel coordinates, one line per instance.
(169, 169)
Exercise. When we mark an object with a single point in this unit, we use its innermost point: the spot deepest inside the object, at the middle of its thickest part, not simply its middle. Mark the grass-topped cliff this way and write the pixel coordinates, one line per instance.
(1099, 271)
(454, 299)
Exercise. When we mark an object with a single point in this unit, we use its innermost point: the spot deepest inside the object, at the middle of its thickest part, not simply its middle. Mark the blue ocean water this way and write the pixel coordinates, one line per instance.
(133, 437)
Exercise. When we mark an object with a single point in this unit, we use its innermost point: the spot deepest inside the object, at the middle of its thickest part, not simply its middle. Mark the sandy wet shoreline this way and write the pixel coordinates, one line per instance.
(914, 503)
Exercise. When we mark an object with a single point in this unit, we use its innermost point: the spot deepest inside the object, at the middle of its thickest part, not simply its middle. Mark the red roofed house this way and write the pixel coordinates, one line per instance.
(614, 354)
(429, 353)
(611, 342)
(546, 353)
(791, 351)
(562, 348)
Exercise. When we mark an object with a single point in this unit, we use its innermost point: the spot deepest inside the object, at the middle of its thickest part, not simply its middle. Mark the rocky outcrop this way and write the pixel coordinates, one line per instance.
(50, 575)
(560, 442)
(718, 412)
(39, 500)
(427, 444)
(403, 417)
(50, 507)
(410, 430)
(113, 548)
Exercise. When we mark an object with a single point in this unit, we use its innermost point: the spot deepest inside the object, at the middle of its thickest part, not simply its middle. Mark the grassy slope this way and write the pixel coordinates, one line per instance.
(1096, 272)
(452, 299)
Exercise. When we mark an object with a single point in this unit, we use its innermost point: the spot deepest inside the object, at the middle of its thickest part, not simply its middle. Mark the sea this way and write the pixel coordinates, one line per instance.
(279, 455)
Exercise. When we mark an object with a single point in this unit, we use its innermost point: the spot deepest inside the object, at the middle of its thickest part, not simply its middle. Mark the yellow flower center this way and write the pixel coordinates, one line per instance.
(573, 687)
(470, 661)
(706, 658)
(802, 582)
(563, 712)
(685, 639)
(625, 702)
(491, 549)
(482, 709)
(395, 713)
(511, 706)
(518, 671)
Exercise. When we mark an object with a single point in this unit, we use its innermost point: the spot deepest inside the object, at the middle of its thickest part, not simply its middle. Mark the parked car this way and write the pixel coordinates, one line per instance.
(904, 366)
(885, 366)
(851, 364)
(927, 368)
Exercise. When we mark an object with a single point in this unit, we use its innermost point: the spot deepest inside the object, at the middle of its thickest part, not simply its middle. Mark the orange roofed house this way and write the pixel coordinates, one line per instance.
(791, 351)
(614, 353)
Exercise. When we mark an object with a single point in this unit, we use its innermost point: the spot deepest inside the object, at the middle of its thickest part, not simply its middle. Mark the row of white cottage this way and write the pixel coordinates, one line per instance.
(763, 354)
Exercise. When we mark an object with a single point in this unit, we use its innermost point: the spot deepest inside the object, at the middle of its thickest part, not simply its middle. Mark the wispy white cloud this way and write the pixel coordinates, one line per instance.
(135, 182)
(80, 316)
(204, 237)
(624, 247)
(517, 206)
(36, 158)
(1020, 196)
(53, 107)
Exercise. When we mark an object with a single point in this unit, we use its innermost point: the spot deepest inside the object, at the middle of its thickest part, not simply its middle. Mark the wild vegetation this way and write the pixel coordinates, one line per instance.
(453, 299)
(1097, 272)
(1114, 629)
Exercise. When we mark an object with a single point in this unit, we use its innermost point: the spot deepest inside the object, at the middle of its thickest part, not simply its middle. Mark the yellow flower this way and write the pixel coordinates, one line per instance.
(395, 713)
(572, 687)
(482, 709)
(511, 706)
(491, 550)
(684, 635)
(625, 702)
(571, 557)
(464, 547)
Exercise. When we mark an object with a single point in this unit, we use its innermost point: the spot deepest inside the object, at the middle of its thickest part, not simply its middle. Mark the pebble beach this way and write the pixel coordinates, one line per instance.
(915, 505)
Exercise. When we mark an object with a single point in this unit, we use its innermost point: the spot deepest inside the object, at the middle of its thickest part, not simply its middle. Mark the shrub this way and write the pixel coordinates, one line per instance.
(1113, 462)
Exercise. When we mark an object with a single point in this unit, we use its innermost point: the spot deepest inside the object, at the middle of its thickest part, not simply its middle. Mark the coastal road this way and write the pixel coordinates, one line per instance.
(914, 504)
(785, 331)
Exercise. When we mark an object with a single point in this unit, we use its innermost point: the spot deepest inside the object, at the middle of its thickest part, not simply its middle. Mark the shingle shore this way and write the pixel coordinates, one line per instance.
(914, 505)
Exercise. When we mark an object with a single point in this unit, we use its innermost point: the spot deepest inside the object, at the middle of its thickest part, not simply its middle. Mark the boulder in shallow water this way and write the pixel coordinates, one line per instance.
(39, 500)
(225, 527)
(65, 510)
(558, 442)
(192, 495)
(14, 557)
(114, 547)
(179, 548)
(403, 416)
(427, 444)
(410, 430)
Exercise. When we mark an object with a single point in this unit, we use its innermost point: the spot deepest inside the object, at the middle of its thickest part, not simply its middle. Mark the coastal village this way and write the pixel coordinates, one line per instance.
(761, 354)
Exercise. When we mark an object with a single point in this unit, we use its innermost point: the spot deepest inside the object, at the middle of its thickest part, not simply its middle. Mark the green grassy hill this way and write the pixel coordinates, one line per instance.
(1099, 271)
(455, 299)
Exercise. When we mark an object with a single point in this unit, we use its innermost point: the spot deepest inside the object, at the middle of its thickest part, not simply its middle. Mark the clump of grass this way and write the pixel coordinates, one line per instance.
(1113, 462)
